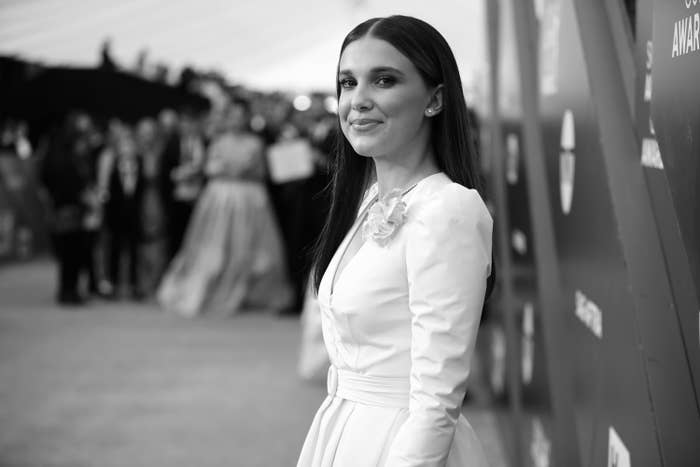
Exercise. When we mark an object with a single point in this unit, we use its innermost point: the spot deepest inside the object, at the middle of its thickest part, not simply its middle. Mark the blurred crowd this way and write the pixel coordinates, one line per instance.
(133, 205)
(14, 138)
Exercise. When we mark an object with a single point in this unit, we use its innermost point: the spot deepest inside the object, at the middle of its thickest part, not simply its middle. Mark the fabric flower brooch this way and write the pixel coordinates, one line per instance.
(385, 217)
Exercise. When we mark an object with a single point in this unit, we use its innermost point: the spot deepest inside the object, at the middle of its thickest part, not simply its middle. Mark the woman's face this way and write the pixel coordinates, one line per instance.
(236, 118)
(126, 146)
(383, 99)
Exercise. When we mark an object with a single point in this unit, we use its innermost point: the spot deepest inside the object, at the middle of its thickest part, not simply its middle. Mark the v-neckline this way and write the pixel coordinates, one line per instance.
(335, 278)
(345, 244)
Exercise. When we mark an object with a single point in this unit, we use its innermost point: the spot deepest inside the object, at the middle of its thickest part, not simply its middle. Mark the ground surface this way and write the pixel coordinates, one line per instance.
(118, 384)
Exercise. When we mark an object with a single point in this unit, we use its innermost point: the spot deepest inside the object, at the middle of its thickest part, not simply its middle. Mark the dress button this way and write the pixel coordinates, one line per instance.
(332, 380)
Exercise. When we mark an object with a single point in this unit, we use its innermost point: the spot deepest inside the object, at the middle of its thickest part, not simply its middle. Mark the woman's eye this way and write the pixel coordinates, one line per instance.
(346, 83)
(385, 81)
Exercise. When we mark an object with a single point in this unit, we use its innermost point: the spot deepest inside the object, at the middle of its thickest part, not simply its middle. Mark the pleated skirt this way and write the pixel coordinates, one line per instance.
(345, 433)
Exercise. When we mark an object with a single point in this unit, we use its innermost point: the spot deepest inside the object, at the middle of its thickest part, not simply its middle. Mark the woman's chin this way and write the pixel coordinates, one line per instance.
(365, 150)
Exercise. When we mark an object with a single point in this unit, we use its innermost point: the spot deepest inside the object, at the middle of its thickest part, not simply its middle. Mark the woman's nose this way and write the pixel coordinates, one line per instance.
(361, 98)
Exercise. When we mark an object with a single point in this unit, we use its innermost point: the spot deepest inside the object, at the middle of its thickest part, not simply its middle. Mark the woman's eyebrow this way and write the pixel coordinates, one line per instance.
(375, 70)
(382, 69)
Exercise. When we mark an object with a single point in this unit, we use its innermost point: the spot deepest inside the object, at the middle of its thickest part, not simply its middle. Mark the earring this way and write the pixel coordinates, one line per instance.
(429, 111)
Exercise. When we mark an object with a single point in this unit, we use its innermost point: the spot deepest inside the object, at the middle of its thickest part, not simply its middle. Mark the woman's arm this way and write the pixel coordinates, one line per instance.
(448, 258)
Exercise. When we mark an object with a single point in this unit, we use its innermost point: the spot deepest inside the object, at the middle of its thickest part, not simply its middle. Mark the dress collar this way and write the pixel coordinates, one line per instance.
(373, 190)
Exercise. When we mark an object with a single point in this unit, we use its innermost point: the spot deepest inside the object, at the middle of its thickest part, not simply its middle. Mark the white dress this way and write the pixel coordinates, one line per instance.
(400, 328)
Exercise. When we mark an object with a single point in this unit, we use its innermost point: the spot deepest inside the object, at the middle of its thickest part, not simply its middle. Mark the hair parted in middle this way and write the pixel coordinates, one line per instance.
(450, 138)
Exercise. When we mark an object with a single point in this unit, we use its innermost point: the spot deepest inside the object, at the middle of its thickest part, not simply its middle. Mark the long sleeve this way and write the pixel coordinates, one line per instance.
(448, 259)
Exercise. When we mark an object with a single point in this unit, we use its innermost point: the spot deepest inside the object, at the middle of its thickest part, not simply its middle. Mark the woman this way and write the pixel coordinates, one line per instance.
(403, 271)
(232, 256)
(150, 147)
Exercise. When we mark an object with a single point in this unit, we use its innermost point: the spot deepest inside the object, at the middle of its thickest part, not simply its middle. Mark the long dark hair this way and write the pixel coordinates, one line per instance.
(452, 144)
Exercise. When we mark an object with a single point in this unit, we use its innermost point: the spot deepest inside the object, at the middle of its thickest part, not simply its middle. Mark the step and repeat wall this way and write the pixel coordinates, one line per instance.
(595, 157)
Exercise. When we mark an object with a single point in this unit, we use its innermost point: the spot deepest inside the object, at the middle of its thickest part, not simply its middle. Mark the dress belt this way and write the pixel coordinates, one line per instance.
(384, 391)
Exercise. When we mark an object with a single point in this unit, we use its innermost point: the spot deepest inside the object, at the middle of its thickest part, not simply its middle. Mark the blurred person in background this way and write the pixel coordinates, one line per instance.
(274, 110)
(94, 198)
(14, 138)
(123, 212)
(152, 218)
(290, 162)
(7, 136)
(22, 144)
(107, 62)
(323, 136)
(65, 174)
(180, 178)
(167, 122)
(232, 257)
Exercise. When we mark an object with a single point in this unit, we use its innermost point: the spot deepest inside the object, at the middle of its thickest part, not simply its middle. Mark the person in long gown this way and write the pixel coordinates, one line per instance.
(404, 264)
(232, 257)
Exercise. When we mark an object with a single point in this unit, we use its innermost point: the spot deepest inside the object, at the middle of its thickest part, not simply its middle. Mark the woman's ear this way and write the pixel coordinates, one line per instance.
(435, 104)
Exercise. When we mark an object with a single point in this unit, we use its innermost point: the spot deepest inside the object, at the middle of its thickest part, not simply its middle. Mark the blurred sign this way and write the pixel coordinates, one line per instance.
(290, 160)
(589, 314)
(512, 162)
(549, 46)
(519, 241)
(686, 32)
(567, 161)
(618, 455)
(497, 375)
(541, 447)
(651, 156)
(675, 111)
(528, 342)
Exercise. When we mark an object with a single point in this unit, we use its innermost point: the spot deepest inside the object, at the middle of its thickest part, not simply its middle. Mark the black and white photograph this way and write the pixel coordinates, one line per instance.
(349, 233)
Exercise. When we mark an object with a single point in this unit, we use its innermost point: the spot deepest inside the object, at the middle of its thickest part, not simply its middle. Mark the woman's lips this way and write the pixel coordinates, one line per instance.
(364, 124)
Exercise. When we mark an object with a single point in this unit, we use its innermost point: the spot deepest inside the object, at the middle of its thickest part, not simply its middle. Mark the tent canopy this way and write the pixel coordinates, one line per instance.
(56, 91)
(262, 44)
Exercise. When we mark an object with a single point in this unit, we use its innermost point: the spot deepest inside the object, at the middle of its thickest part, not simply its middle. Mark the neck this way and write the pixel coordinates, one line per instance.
(402, 173)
